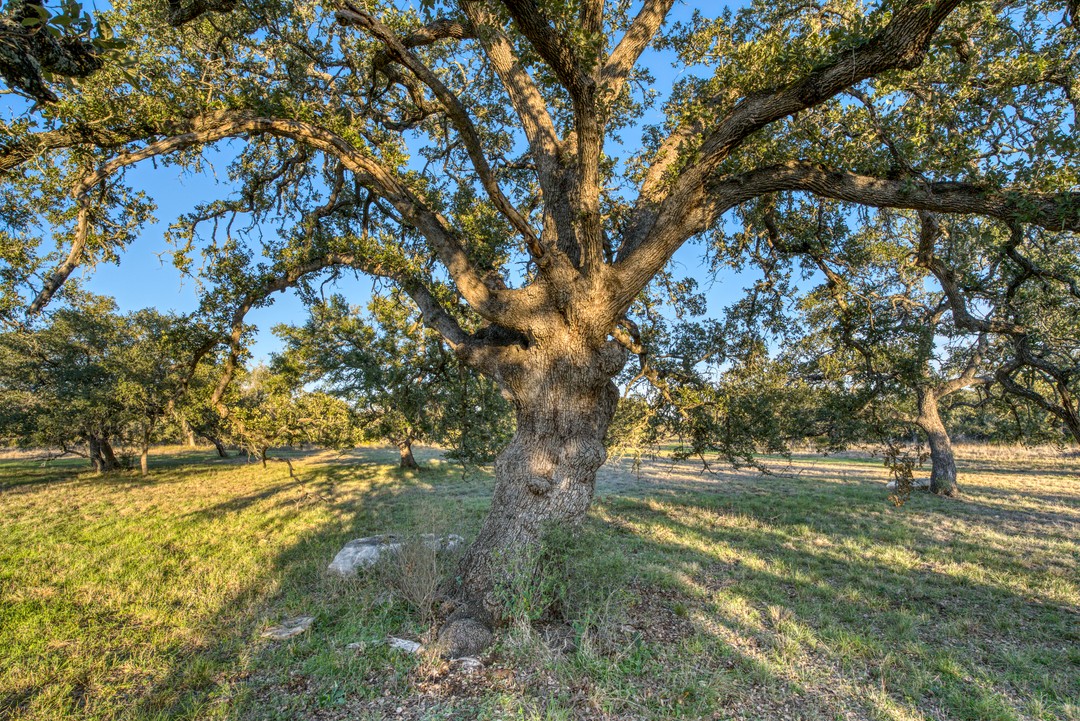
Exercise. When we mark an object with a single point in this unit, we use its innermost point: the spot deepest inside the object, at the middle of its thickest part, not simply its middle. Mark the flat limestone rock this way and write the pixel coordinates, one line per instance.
(362, 553)
(366, 552)
(917, 484)
(288, 628)
(404, 644)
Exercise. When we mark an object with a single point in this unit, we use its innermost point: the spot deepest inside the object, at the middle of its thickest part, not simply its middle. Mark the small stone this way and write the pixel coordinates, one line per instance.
(288, 628)
(469, 664)
(916, 484)
(403, 644)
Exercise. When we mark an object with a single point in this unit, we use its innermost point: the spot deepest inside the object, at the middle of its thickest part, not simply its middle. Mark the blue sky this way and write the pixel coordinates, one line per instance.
(146, 277)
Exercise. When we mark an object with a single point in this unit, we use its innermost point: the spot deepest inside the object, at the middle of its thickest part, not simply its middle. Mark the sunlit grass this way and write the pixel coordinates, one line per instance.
(697, 596)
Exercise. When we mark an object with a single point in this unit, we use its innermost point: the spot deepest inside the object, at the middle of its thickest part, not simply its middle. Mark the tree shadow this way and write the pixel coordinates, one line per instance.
(797, 598)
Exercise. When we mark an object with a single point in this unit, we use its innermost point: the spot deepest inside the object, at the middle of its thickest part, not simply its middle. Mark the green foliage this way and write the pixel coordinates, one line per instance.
(398, 377)
(93, 375)
(268, 410)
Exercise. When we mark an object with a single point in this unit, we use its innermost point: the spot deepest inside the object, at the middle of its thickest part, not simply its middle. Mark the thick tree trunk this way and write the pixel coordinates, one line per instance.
(111, 464)
(405, 453)
(942, 460)
(546, 475)
(101, 454)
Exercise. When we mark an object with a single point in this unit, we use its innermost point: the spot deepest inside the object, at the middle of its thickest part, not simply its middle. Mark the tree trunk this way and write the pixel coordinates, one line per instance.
(188, 432)
(145, 454)
(96, 459)
(407, 460)
(101, 454)
(219, 447)
(546, 475)
(111, 464)
(942, 460)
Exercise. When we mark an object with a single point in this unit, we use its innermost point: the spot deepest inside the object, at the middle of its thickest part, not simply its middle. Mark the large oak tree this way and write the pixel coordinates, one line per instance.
(490, 159)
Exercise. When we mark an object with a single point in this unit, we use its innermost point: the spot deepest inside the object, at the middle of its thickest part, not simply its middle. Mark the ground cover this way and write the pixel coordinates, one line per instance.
(805, 595)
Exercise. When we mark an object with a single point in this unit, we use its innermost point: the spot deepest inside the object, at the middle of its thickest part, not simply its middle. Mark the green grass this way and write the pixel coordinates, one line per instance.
(688, 595)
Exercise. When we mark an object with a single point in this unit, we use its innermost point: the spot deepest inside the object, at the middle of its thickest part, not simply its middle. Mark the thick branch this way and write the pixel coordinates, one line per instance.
(675, 224)
(901, 44)
(633, 44)
(530, 107)
(552, 47)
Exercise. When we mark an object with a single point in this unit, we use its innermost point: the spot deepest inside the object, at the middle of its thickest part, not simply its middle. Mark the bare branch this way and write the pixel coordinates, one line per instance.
(398, 51)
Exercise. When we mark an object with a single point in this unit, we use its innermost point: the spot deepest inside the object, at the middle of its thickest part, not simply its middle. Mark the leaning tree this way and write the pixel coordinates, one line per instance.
(510, 166)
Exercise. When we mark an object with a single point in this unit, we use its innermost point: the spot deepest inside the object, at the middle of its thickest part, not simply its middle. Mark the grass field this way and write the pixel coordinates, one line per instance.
(688, 595)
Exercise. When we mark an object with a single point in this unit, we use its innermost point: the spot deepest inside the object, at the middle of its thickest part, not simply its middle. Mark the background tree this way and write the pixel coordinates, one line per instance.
(397, 375)
(883, 325)
(94, 376)
(269, 410)
(464, 152)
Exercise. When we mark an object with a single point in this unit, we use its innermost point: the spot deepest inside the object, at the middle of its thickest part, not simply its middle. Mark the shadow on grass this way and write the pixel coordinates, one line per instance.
(791, 598)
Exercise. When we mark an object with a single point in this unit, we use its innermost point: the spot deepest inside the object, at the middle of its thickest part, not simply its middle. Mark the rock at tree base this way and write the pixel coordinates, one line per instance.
(463, 637)
(366, 552)
(468, 664)
(288, 628)
(918, 484)
(403, 644)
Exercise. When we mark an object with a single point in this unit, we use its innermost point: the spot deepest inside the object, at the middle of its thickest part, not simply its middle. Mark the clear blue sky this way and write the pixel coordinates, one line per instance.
(146, 277)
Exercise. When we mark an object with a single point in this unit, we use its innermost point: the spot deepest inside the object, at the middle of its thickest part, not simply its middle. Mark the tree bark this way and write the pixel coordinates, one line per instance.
(144, 456)
(407, 460)
(564, 403)
(111, 463)
(101, 454)
(94, 452)
(219, 447)
(942, 460)
(188, 432)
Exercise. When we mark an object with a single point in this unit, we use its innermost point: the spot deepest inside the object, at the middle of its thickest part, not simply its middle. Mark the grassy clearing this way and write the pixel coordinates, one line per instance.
(689, 596)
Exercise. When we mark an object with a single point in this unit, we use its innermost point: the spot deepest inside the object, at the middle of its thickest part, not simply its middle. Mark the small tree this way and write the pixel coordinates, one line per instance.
(398, 376)
(269, 410)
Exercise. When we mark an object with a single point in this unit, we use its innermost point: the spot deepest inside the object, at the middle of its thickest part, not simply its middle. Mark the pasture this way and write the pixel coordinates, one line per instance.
(805, 595)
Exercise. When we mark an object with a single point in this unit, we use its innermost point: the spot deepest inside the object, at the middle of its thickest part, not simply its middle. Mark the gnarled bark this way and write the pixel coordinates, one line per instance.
(101, 454)
(564, 400)
(405, 454)
(942, 460)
